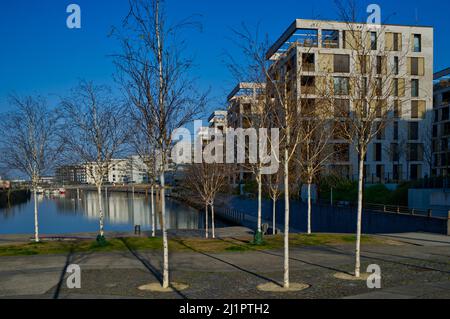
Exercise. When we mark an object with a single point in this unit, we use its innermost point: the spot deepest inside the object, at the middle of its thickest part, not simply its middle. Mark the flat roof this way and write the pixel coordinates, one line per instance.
(441, 74)
(244, 86)
(297, 25)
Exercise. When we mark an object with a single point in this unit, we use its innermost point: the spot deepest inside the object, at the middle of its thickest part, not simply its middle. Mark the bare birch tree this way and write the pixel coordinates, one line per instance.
(207, 180)
(283, 106)
(159, 81)
(316, 129)
(274, 189)
(29, 142)
(372, 83)
(95, 134)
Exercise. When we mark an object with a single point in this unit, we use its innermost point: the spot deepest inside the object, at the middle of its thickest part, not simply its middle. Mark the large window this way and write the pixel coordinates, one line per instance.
(417, 109)
(417, 66)
(413, 131)
(414, 88)
(308, 62)
(341, 86)
(395, 137)
(308, 85)
(330, 38)
(341, 63)
(417, 43)
(396, 68)
(378, 152)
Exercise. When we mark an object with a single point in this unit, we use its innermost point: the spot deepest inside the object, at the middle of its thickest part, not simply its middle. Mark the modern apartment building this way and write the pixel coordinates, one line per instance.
(241, 107)
(441, 124)
(312, 50)
(71, 174)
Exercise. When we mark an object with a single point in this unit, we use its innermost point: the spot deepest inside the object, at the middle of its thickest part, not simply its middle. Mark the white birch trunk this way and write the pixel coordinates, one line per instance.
(358, 225)
(166, 282)
(206, 222)
(36, 221)
(286, 220)
(309, 208)
(100, 208)
(259, 201)
(152, 202)
(213, 222)
(274, 216)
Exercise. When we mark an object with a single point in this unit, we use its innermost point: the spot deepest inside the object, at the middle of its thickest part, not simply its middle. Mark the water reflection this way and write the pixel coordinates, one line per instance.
(70, 213)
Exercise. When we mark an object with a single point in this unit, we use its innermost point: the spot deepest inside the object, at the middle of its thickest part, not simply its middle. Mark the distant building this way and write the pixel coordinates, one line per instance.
(241, 108)
(47, 180)
(441, 124)
(71, 175)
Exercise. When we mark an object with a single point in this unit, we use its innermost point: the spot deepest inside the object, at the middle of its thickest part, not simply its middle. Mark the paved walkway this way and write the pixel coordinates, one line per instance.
(408, 271)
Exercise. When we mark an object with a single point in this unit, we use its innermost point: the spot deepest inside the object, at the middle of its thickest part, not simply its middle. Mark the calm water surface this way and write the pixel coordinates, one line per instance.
(67, 214)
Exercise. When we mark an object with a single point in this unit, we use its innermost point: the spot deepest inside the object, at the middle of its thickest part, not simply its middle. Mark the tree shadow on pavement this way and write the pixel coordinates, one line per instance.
(290, 258)
(155, 272)
(181, 242)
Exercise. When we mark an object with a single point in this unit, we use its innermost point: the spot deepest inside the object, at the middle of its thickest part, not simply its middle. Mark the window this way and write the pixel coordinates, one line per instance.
(363, 87)
(415, 171)
(373, 41)
(395, 152)
(379, 64)
(395, 87)
(341, 63)
(342, 152)
(379, 87)
(445, 114)
(341, 86)
(414, 88)
(308, 85)
(308, 62)
(397, 109)
(417, 43)
(378, 148)
(397, 41)
(308, 107)
(397, 172)
(395, 131)
(416, 69)
(413, 131)
(341, 107)
(380, 172)
(417, 109)
(396, 68)
(380, 131)
(415, 152)
(330, 38)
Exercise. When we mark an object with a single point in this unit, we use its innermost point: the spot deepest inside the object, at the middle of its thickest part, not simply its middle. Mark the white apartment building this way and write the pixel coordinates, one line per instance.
(312, 49)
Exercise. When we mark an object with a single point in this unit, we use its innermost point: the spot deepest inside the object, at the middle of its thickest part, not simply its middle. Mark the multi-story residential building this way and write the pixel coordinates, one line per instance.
(137, 170)
(218, 120)
(441, 124)
(312, 50)
(241, 107)
(71, 174)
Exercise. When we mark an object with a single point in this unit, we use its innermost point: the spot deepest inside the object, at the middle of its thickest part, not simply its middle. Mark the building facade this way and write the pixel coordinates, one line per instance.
(441, 124)
(310, 51)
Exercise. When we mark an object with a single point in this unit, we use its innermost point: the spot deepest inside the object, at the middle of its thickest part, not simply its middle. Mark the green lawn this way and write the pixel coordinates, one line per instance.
(177, 245)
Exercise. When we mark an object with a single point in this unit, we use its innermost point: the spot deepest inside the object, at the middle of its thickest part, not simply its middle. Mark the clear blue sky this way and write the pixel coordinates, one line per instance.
(39, 54)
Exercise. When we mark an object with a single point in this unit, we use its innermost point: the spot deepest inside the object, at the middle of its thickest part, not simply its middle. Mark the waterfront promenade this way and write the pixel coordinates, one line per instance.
(412, 265)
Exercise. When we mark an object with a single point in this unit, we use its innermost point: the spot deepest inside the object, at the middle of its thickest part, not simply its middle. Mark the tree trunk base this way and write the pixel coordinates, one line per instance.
(273, 287)
(157, 287)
